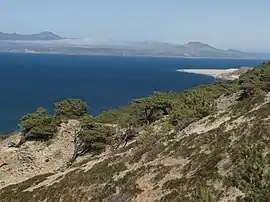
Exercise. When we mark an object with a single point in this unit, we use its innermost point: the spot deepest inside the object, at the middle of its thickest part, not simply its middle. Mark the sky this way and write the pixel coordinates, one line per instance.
(238, 24)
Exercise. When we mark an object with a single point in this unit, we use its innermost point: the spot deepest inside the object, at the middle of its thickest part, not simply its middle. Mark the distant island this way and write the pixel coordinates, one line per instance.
(49, 42)
(43, 36)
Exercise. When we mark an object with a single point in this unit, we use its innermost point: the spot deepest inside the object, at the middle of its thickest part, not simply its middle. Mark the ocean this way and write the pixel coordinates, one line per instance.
(28, 81)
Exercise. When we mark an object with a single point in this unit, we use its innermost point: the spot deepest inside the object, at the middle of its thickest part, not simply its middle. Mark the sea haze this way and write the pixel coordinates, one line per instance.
(28, 81)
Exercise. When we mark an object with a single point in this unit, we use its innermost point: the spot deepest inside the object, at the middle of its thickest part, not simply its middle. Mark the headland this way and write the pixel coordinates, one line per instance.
(224, 74)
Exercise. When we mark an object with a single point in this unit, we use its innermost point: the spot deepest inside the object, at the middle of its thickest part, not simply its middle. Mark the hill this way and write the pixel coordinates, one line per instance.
(209, 143)
(191, 49)
(47, 42)
(43, 36)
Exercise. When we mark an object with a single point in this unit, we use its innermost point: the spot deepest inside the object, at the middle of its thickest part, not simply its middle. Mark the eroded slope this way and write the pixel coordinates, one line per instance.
(203, 160)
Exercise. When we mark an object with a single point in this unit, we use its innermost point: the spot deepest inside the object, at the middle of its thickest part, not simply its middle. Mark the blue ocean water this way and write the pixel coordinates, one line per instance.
(28, 81)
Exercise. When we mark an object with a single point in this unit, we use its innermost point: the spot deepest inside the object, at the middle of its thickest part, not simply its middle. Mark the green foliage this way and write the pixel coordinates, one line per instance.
(122, 116)
(94, 140)
(109, 116)
(197, 103)
(259, 78)
(155, 106)
(247, 104)
(189, 106)
(71, 108)
(93, 135)
(184, 107)
(39, 124)
(251, 173)
(247, 90)
(87, 120)
(140, 111)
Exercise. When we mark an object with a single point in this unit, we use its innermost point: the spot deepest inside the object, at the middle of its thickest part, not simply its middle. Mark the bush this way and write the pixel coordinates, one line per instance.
(259, 78)
(39, 125)
(94, 135)
(92, 138)
(251, 173)
(188, 106)
(71, 108)
(154, 107)
(247, 90)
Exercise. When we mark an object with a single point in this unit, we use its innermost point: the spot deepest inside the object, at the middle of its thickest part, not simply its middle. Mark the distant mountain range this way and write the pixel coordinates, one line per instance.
(43, 36)
(191, 49)
(48, 42)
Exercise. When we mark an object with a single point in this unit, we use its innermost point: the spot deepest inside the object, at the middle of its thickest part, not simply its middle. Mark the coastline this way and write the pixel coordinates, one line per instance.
(113, 55)
(210, 72)
(223, 74)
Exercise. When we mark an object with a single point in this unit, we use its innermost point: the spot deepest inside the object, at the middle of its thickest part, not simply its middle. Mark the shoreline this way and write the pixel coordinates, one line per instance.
(209, 72)
(223, 74)
(153, 56)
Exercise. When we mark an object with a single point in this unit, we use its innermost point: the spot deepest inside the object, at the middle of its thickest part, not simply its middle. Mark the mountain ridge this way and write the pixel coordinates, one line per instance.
(42, 36)
(48, 42)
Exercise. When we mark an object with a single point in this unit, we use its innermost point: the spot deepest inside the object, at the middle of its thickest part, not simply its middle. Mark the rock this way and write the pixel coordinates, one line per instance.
(36, 158)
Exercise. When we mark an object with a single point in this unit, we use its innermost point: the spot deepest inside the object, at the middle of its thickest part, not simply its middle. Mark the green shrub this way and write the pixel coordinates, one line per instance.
(259, 78)
(71, 108)
(39, 124)
(251, 173)
(93, 136)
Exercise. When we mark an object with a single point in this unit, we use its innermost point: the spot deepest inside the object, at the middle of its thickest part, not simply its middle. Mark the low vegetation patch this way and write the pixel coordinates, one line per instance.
(251, 173)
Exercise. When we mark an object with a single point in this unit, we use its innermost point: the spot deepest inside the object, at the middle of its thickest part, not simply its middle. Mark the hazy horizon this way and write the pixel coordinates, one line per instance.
(241, 25)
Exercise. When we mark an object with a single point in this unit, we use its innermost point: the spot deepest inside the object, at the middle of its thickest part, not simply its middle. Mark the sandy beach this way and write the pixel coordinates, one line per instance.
(226, 74)
(211, 72)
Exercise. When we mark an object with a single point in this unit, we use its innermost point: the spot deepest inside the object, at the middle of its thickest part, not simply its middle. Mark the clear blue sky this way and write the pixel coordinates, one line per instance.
(241, 24)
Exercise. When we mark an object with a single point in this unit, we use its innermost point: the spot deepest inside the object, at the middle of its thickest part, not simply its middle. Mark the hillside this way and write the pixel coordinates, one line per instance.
(47, 42)
(43, 36)
(209, 143)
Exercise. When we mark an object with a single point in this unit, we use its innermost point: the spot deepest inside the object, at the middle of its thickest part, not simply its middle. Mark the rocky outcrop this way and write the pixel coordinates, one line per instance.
(36, 158)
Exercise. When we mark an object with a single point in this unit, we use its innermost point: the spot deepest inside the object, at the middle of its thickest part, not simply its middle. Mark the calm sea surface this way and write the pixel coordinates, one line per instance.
(28, 81)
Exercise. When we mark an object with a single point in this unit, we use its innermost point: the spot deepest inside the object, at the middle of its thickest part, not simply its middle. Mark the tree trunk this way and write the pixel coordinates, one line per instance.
(146, 116)
(165, 111)
(73, 159)
(75, 153)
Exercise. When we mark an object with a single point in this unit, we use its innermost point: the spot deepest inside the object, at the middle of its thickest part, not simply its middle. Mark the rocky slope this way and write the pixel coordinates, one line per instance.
(35, 158)
(224, 156)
